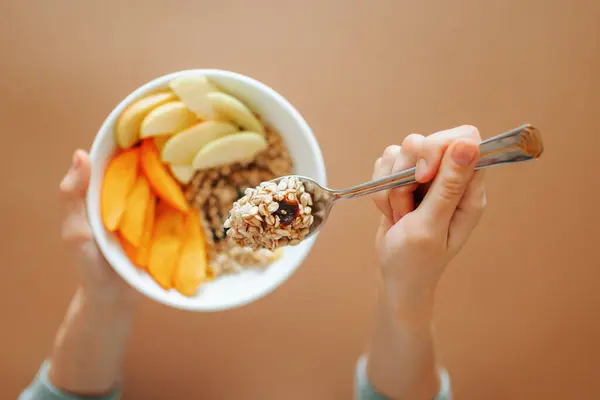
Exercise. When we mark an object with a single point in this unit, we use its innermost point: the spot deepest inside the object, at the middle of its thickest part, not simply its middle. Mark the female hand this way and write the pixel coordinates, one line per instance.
(89, 348)
(415, 242)
(98, 280)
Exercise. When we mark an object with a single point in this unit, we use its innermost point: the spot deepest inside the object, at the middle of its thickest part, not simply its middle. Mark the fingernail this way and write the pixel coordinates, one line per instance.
(464, 153)
(421, 169)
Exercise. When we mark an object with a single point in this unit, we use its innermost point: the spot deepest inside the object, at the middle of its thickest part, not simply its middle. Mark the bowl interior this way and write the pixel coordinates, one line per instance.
(233, 290)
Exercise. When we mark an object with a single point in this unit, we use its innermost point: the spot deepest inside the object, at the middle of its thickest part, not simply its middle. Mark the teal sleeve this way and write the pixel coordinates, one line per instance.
(364, 390)
(42, 389)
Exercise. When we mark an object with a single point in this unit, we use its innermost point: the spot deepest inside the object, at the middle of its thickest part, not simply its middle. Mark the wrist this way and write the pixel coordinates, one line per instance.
(90, 345)
(410, 306)
(402, 340)
(106, 311)
(107, 302)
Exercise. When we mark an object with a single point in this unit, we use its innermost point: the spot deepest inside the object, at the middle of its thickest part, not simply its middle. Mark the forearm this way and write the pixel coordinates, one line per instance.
(401, 358)
(89, 349)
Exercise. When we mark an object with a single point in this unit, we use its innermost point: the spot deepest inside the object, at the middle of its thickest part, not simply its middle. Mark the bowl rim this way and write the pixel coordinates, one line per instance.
(126, 272)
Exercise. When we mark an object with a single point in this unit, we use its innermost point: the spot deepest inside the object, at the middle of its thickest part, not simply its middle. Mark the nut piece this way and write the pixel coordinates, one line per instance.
(271, 216)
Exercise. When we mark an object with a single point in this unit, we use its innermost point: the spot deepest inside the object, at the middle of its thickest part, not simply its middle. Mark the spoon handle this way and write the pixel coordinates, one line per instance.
(520, 144)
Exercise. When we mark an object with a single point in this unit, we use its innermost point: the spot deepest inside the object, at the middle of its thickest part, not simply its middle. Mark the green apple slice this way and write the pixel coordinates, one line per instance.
(193, 90)
(237, 147)
(183, 173)
(127, 127)
(167, 119)
(231, 109)
(181, 148)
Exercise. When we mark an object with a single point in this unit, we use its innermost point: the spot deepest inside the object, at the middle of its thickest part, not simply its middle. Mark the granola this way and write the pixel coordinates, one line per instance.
(271, 215)
(214, 191)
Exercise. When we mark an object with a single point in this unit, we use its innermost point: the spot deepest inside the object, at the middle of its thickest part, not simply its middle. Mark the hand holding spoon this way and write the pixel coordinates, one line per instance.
(517, 145)
(292, 208)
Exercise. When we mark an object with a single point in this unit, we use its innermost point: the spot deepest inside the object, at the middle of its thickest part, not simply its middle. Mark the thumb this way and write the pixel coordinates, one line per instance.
(449, 185)
(73, 188)
(75, 182)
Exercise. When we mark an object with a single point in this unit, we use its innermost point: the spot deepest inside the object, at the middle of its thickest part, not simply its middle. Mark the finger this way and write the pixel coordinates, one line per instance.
(468, 212)
(75, 182)
(419, 193)
(450, 184)
(75, 228)
(434, 146)
(401, 199)
(383, 167)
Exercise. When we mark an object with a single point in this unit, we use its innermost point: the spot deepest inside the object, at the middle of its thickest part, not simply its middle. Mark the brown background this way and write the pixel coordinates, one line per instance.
(517, 313)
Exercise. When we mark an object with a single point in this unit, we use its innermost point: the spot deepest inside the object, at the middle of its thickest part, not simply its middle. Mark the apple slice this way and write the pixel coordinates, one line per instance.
(127, 127)
(192, 90)
(183, 173)
(232, 109)
(180, 149)
(238, 147)
(167, 119)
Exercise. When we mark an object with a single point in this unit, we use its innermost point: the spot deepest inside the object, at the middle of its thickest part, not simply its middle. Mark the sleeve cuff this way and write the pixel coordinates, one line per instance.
(364, 390)
(42, 389)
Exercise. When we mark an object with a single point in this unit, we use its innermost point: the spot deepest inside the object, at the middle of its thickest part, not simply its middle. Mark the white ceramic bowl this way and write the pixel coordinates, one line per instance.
(229, 291)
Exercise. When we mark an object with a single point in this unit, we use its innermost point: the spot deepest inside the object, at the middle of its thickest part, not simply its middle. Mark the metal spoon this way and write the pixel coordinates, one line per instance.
(520, 144)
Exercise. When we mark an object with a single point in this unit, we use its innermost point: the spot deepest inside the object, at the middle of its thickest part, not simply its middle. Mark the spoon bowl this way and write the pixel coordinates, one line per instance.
(323, 200)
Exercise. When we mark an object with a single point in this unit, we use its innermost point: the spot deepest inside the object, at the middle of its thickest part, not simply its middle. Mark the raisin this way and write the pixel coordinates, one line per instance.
(287, 212)
(215, 236)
